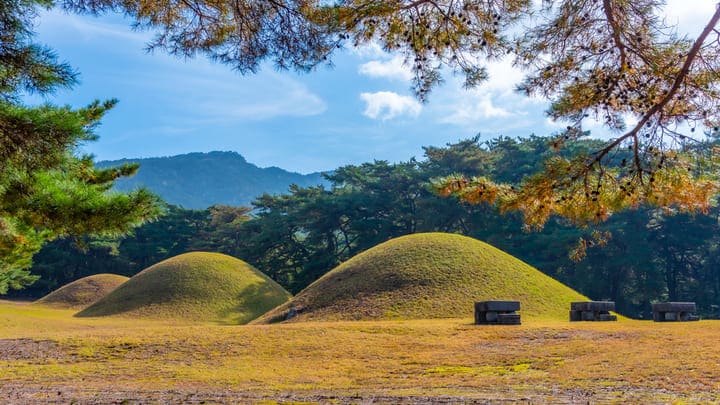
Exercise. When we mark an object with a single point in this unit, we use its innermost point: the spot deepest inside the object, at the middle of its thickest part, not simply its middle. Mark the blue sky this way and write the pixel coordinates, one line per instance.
(360, 110)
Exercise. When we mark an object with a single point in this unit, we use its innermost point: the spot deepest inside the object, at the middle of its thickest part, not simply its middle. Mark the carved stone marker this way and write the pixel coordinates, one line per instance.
(497, 313)
(674, 312)
(593, 311)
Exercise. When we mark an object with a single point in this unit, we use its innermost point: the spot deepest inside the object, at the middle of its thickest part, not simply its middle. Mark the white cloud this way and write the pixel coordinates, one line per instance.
(393, 69)
(503, 76)
(493, 105)
(473, 107)
(370, 50)
(386, 105)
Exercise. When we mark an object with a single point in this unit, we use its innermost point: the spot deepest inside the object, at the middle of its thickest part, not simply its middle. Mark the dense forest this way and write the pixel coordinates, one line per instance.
(648, 254)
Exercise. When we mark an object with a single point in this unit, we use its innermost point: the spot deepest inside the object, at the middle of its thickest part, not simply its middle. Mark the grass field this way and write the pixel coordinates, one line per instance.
(47, 355)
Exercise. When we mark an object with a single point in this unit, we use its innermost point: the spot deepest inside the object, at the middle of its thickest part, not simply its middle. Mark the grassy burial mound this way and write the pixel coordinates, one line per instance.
(422, 276)
(196, 286)
(83, 292)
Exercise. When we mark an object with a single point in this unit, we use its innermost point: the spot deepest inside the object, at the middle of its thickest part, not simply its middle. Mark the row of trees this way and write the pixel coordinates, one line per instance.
(603, 60)
(649, 254)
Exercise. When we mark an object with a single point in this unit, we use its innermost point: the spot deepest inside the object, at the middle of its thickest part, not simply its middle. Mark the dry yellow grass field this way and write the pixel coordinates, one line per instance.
(47, 355)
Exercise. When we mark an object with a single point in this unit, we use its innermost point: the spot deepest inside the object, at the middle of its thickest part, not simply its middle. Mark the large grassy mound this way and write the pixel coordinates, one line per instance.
(422, 276)
(195, 286)
(83, 292)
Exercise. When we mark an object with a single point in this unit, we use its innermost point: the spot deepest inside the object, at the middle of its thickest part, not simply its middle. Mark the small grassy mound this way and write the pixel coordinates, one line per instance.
(195, 286)
(83, 292)
(422, 276)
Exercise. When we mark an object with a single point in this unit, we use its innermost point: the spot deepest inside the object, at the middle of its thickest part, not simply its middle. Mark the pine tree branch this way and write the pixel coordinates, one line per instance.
(607, 7)
(684, 71)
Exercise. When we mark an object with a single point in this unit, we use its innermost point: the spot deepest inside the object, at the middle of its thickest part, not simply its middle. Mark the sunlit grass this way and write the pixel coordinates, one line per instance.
(626, 360)
(83, 292)
(197, 286)
(428, 275)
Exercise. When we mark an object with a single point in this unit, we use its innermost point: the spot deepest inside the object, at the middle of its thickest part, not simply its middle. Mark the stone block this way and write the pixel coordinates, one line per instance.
(592, 311)
(674, 312)
(597, 306)
(497, 306)
(674, 307)
(691, 318)
(508, 319)
(588, 316)
(491, 316)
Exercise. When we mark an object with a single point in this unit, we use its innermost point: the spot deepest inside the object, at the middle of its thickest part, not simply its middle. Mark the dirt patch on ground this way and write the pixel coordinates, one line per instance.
(31, 351)
(19, 394)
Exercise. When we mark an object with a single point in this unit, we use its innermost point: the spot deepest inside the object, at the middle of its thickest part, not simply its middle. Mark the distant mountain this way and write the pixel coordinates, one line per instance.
(199, 180)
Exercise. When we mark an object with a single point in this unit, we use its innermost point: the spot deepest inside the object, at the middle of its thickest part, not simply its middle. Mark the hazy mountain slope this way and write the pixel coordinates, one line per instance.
(199, 180)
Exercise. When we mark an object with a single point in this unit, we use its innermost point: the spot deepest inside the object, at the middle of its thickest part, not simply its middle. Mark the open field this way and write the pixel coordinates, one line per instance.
(46, 355)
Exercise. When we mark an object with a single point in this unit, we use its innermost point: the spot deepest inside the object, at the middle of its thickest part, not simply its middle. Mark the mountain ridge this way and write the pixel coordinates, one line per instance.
(198, 180)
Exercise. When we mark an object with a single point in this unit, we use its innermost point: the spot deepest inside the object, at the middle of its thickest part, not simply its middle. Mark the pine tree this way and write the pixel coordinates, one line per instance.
(46, 189)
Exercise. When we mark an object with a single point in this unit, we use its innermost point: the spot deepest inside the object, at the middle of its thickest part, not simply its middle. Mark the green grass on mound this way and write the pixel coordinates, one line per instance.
(424, 276)
(194, 286)
(83, 292)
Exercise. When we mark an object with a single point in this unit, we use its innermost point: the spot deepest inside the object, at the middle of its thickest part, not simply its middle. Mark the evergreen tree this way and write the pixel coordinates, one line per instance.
(46, 189)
